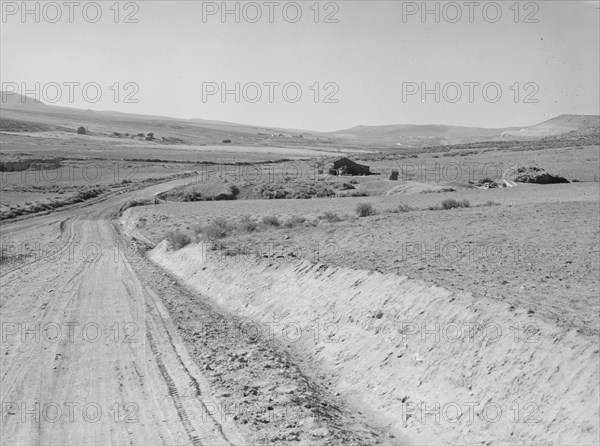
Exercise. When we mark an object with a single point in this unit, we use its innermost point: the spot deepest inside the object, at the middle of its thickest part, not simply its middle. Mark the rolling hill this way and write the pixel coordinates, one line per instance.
(21, 112)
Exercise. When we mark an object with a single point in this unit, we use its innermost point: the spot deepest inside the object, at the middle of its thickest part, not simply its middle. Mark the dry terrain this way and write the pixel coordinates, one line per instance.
(522, 259)
(183, 290)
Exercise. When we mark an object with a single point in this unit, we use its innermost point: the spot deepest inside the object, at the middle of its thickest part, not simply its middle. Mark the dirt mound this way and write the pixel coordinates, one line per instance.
(402, 349)
(415, 187)
(537, 175)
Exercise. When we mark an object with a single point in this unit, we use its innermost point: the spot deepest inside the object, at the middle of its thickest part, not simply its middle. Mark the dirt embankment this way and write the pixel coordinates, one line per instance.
(435, 366)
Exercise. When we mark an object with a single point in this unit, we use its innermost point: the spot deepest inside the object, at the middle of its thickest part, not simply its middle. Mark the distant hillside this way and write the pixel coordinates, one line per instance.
(406, 134)
(20, 112)
(16, 100)
(559, 125)
(415, 135)
(570, 122)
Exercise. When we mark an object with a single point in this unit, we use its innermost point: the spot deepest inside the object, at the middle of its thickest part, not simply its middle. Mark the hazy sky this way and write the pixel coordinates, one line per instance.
(364, 59)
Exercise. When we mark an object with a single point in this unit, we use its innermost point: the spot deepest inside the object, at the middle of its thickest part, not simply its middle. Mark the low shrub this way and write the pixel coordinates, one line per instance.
(246, 224)
(178, 239)
(220, 222)
(356, 193)
(271, 220)
(364, 209)
(399, 209)
(218, 228)
(450, 203)
(331, 217)
(213, 232)
(293, 221)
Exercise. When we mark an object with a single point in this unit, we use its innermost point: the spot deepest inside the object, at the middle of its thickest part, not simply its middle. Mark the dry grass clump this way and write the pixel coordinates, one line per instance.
(246, 224)
(331, 217)
(178, 239)
(217, 229)
(400, 209)
(294, 221)
(271, 220)
(364, 209)
(450, 203)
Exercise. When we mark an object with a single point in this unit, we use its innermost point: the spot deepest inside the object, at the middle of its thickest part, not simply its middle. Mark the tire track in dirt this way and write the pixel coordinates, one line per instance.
(149, 373)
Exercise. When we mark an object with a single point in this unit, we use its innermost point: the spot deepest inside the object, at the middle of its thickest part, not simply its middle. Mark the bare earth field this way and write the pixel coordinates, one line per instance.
(521, 259)
(306, 324)
(73, 145)
(539, 241)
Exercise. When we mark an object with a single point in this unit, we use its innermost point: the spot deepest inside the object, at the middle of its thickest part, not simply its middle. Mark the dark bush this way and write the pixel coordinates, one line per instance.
(364, 209)
(81, 130)
(450, 203)
(271, 220)
(178, 239)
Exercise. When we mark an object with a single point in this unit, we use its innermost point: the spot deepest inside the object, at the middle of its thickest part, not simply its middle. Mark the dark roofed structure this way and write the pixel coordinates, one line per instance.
(345, 166)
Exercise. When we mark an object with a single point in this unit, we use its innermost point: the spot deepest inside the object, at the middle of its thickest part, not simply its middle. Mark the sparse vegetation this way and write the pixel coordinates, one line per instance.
(134, 203)
(178, 239)
(271, 220)
(364, 209)
(294, 221)
(217, 229)
(331, 217)
(401, 208)
(450, 203)
(489, 203)
(246, 224)
(209, 192)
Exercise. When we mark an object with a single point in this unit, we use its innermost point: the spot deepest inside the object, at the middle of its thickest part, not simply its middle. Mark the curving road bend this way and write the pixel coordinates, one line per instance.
(88, 354)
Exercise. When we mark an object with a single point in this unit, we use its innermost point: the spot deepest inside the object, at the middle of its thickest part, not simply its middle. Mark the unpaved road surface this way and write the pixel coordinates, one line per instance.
(90, 355)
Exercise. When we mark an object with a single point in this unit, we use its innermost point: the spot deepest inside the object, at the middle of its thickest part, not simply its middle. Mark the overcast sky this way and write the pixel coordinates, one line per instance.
(363, 59)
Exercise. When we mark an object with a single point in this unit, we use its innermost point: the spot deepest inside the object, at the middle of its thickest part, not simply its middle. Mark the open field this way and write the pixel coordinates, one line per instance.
(107, 147)
(502, 257)
(516, 258)
(528, 261)
(500, 250)
(264, 235)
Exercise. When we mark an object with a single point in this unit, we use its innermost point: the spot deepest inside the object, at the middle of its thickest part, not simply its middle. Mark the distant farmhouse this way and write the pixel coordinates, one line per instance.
(344, 166)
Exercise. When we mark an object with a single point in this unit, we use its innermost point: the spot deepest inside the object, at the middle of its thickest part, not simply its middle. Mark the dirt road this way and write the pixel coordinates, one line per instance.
(89, 355)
